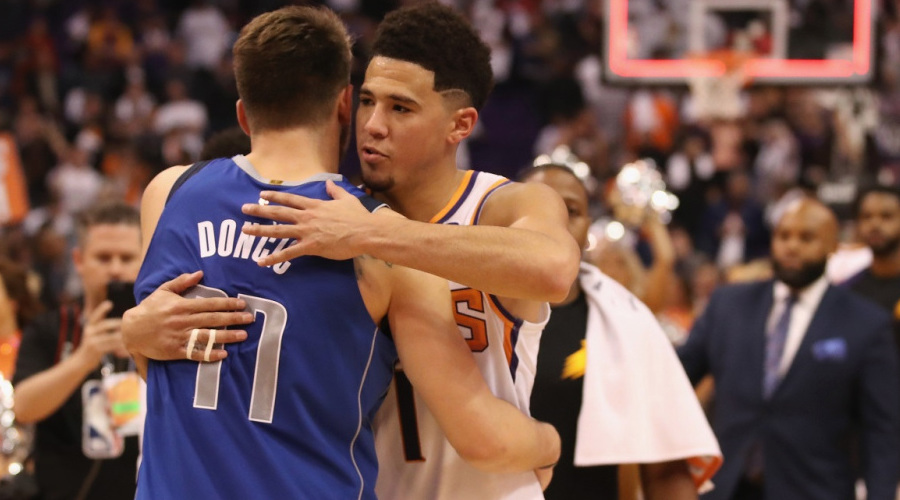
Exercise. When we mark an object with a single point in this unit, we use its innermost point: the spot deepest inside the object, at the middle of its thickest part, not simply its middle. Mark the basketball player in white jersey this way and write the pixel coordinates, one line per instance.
(504, 245)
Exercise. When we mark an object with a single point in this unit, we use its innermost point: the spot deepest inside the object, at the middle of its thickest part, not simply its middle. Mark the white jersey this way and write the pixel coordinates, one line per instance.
(415, 460)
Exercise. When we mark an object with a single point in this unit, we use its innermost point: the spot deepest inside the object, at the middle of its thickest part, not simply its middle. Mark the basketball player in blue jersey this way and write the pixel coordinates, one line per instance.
(288, 412)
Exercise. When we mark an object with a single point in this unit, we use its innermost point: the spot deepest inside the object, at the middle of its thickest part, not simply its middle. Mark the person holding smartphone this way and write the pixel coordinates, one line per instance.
(64, 378)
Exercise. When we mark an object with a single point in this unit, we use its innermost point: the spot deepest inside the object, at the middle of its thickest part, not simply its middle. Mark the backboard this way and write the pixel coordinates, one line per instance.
(773, 41)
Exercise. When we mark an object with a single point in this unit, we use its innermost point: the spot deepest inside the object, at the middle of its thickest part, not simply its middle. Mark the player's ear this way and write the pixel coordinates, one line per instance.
(345, 105)
(242, 116)
(464, 120)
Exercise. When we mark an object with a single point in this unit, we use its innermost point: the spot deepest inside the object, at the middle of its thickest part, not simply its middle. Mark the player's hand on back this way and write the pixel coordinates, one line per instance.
(326, 228)
(161, 326)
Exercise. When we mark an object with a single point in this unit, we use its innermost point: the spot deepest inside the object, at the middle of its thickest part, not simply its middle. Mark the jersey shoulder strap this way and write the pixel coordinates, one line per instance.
(187, 174)
(370, 203)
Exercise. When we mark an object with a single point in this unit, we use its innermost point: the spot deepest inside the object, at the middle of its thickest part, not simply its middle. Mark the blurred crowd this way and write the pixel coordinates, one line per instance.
(98, 96)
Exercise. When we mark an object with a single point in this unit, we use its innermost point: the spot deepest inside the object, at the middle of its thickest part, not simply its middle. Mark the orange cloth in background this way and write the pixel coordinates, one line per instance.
(13, 194)
(9, 349)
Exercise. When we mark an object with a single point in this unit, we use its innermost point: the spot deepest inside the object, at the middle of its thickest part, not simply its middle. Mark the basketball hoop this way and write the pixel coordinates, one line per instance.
(719, 97)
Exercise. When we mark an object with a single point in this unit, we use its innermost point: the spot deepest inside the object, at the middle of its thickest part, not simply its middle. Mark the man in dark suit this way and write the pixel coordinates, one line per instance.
(806, 376)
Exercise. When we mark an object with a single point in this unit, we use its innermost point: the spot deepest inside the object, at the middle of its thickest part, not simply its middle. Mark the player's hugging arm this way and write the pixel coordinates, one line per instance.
(159, 326)
(520, 248)
(152, 203)
(487, 432)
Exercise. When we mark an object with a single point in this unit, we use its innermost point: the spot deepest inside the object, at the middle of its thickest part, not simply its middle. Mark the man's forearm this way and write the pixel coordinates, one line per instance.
(507, 262)
(509, 440)
(42, 394)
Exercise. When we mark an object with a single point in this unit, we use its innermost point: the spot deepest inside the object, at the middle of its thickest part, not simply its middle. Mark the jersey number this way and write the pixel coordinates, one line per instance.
(468, 308)
(265, 378)
(409, 423)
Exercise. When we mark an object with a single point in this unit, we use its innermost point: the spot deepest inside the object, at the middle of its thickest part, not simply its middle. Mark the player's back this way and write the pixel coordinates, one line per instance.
(286, 414)
(415, 458)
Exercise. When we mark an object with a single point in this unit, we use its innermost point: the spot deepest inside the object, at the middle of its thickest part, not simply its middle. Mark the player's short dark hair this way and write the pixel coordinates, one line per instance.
(290, 65)
(226, 143)
(441, 40)
(874, 189)
(112, 212)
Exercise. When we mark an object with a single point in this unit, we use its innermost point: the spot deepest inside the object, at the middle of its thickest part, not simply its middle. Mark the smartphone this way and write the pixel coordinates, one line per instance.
(121, 294)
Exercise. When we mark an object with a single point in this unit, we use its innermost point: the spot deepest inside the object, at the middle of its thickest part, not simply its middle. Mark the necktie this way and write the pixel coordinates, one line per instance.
(775, 347)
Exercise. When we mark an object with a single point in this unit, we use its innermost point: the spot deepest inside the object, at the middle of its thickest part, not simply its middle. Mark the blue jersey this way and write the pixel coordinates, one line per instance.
(287, 414)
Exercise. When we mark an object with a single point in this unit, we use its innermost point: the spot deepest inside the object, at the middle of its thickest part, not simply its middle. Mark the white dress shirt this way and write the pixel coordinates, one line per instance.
(804, 309)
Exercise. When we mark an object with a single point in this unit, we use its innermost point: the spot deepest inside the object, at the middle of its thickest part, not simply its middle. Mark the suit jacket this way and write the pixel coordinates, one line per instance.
(840, 393)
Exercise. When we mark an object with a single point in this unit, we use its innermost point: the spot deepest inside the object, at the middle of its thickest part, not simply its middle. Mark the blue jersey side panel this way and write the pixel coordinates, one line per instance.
(333, 366)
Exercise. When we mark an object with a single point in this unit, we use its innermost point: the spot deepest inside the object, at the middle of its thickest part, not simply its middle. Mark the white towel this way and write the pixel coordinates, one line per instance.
(638, 404)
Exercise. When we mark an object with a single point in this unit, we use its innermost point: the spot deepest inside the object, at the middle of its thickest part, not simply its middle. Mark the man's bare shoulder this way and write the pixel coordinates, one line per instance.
(154, 199)
(163, 182)
(516, 200)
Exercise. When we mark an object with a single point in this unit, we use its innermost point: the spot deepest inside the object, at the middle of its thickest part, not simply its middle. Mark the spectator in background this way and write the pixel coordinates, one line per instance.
(815, 136)
(181, 121)
(620, 260)
(37, 149)
(676, 316)
(217, 91)
(689, 173)
(776, 167)
(878, 224)
(133, 110)
(800, 366)
(153, 40)
(206, 34)
(50, 262)
(573, 124)
(621, 263)
(109, 40)
(706, 278)
(733, 230)
(65, 349)
(651, 122)
(18, 306)
(37, 74)
(125, 172)
(76, 181)
(601, 356)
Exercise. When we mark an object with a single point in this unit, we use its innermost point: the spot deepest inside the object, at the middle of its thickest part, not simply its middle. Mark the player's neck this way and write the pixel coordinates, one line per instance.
(293, 155)
(887, 266)
(423, 199)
